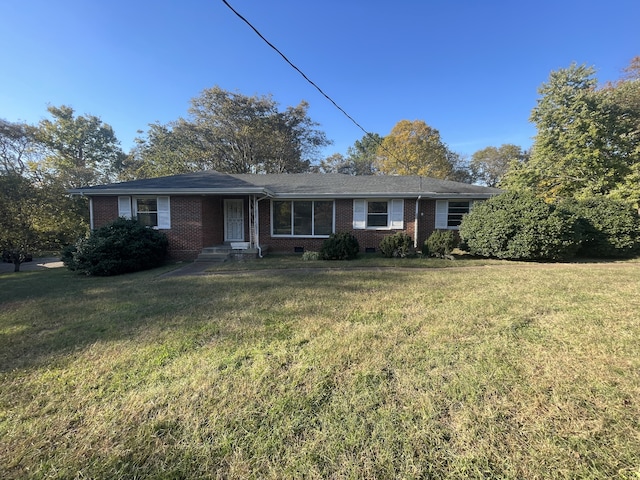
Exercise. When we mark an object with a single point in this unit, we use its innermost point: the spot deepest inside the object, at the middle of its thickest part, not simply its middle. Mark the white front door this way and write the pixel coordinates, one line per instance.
(234, 220)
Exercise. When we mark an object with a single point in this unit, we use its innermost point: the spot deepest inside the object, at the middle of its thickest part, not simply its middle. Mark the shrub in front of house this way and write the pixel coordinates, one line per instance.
(521, 226)
(399, 245)
(611, 228)
(340, 246)
(440, 244)
(122, 246)
(311, 256)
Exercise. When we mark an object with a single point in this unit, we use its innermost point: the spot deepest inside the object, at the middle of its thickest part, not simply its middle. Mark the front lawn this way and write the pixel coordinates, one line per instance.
(500, 371)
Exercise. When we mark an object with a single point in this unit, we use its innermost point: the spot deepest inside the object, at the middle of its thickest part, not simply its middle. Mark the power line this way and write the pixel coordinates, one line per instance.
(297, 69)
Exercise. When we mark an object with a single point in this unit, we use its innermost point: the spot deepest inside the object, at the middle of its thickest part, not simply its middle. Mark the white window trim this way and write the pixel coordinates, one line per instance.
(395, 214)
(442, 213)
(127, 209)
(313, 226)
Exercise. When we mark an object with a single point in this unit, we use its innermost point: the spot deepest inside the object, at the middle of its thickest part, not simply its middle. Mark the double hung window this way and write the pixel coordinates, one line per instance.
(378, 214)
(150, 211)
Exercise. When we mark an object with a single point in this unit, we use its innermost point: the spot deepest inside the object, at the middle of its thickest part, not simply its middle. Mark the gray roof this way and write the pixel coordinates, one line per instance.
(301, 185)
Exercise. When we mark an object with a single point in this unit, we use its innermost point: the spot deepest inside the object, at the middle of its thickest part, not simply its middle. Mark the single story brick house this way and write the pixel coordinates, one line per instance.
(283, 212)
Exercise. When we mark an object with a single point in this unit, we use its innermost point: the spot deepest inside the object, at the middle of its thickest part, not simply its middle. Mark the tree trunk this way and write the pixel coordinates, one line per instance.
(16, 263)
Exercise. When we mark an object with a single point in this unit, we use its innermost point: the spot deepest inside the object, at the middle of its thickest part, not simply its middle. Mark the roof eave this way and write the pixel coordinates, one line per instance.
(90, 192)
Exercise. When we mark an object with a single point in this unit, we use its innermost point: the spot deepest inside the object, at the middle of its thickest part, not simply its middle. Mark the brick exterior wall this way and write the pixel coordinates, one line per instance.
(367, 239)
(105, 210)
(198, 222)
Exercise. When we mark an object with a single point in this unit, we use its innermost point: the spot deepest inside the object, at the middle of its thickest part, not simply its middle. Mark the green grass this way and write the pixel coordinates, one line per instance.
(499, 371)
(273, 261)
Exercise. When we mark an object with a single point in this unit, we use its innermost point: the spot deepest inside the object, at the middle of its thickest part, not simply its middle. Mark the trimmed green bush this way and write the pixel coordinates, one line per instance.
(310, 256)
(440, 244)
(340, 246)
(611, 228)
(122, 246)
(520, 226)
(397, 245)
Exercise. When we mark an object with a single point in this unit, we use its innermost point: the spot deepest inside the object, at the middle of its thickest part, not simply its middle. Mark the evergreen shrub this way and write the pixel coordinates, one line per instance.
(440, 244)
(611, 228)
(397, 245)
(340, 246)
(520, 226)
(122, 246)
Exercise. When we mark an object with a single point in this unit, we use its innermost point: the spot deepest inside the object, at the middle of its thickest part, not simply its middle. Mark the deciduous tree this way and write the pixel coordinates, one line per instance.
(80, 150)
(234, 133)
(414, 148)
(18, 147)
(19, 209)
(489, 165)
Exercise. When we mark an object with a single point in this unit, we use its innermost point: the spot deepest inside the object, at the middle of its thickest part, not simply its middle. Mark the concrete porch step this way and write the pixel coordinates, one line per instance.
(214, 257)
(222, 253)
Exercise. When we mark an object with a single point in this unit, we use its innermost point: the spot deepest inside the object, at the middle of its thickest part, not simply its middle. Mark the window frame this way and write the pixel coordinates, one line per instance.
(444, 213)
(394, 214)
(128, 208)
(293, 216)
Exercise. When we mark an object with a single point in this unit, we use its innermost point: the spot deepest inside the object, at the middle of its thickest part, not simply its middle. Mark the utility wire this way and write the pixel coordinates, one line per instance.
(297, 69)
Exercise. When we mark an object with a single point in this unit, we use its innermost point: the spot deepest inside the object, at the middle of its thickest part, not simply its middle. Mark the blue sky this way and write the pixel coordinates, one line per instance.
(470, 69)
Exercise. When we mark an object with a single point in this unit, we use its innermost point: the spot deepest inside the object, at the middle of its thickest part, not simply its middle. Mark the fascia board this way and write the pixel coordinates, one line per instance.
(424, 195)
(89, 192)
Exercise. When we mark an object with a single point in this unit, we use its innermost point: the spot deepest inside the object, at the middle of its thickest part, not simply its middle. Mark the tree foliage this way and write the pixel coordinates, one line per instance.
(414, 148)
(490, 164)
(587, 141)
(79, 150)
(361, 158)
(610, 228)
(233, 133)
(18, 148)
(363, 155)
(20, 207)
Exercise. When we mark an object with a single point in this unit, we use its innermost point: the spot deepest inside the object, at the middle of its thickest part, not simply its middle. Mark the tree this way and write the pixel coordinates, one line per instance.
(361, 158)
(363, 155)
(20, 206)
(80, 150)
(490, 164)
(587, 141)
(460, 169)
(232, 133)
(18, 147)
(414, 148)
(336, 163)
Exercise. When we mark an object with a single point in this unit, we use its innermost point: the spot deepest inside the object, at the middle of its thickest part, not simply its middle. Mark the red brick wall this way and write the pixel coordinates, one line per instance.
(105, 210)
(186, 232)
(426, 220)
(344, 223)
(187, 235)
(212, 221)
(198, 222)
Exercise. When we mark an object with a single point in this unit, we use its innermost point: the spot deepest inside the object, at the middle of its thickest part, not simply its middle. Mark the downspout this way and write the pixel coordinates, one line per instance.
(415, 239)
(256, 223)
(91, 213)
